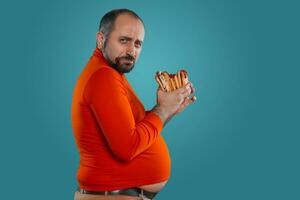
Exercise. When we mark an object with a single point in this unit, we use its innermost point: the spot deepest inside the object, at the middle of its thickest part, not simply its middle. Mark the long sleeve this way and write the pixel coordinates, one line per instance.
(107, 98)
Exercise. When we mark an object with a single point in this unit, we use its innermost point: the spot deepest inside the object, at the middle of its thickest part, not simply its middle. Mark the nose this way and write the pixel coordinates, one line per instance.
(131, 50)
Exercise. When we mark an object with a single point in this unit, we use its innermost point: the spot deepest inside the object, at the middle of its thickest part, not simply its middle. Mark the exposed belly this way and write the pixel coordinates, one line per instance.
(154, 187)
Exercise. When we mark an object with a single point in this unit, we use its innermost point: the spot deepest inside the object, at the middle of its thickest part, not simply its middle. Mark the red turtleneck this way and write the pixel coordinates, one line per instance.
(119, 142)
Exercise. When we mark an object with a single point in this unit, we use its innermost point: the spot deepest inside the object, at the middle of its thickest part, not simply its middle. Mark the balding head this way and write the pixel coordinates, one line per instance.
(121, 39)
(107, 22)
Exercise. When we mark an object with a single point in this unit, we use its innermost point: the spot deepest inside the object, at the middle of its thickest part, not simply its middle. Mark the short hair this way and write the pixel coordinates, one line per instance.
(108, 20)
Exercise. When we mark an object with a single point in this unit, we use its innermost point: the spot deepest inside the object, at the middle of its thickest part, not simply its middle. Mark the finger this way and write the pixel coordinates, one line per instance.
(183, 88)
(187, 101)
(186, 91)
(193, 98)
(186, 94)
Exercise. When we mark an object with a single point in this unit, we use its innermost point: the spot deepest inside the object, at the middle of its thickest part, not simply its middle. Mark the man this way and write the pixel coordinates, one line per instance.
(122, 154)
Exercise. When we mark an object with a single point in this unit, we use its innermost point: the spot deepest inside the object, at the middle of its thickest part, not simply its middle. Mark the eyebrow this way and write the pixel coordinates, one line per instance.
(130, 39)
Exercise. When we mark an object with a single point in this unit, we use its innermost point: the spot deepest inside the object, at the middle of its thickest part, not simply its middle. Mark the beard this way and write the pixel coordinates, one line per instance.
(128, 61)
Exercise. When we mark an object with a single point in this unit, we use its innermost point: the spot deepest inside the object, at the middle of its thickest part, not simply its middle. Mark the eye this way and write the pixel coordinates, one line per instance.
(123, 40)
(138, 45)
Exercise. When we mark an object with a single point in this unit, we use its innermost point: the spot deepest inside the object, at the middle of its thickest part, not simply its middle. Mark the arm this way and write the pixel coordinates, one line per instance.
(159, 112)
(107, 98)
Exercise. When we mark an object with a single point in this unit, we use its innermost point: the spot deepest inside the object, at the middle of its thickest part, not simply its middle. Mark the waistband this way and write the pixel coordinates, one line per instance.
(135, 191)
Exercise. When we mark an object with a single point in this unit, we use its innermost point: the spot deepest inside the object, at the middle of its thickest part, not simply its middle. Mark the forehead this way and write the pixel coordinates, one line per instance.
(130, 26)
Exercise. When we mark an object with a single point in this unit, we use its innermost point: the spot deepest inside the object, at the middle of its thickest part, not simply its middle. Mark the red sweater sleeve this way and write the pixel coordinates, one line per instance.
(107, 97)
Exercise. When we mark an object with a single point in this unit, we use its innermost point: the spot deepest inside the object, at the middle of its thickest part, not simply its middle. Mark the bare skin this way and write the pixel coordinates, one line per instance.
(151, 187)
(126, 39)
(79, 196)
(154, 187)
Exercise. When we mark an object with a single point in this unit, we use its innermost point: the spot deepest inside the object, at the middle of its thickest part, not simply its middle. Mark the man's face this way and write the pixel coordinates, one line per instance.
(124, 44)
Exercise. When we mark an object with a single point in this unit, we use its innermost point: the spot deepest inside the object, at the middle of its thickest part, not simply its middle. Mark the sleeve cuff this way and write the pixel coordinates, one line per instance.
(155, 120)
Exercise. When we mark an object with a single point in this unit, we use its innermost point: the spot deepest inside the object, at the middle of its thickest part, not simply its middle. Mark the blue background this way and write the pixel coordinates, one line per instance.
(240, 140)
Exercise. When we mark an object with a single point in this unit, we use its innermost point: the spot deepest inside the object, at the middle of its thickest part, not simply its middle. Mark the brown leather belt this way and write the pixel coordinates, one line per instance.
(136, 192)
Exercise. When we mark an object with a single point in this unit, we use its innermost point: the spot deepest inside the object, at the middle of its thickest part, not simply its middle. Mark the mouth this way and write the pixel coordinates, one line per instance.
(127, 61)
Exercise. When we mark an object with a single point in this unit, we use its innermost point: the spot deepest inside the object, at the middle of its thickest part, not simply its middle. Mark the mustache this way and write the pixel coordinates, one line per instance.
(128, 57)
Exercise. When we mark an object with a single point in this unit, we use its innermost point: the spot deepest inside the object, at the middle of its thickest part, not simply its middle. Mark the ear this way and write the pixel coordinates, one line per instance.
(99, 39)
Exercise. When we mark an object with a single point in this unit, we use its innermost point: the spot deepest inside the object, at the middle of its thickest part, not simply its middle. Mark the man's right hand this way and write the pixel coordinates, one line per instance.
(171, 103)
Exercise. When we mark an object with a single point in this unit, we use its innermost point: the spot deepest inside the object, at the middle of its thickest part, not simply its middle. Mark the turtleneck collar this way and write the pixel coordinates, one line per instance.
(99, 55)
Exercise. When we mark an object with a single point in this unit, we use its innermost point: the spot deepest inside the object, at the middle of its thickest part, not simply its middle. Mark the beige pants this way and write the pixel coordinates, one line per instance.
(79, 196)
